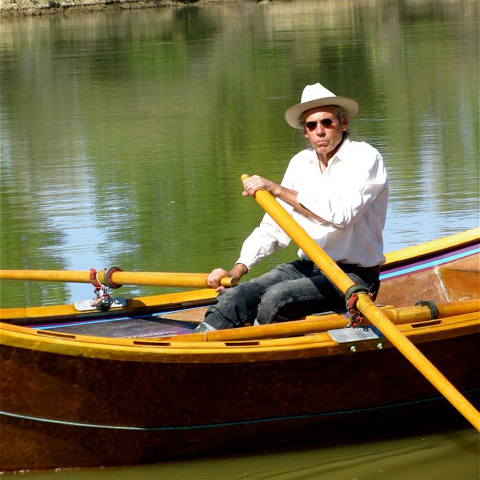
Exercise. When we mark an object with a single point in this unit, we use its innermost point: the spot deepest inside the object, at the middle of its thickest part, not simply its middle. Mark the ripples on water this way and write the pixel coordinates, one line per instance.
(449, 456)
(124, 134)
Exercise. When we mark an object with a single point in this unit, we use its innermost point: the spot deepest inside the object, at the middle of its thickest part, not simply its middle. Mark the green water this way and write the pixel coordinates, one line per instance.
(124, 136)
(447, 456)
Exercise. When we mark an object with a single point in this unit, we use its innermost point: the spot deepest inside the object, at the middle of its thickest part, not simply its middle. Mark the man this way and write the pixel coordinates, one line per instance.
(337, 190)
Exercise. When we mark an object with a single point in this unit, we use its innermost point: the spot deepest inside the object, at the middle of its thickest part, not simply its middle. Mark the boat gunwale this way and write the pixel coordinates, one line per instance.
(137, 305)
(417, 252)
(166, 351)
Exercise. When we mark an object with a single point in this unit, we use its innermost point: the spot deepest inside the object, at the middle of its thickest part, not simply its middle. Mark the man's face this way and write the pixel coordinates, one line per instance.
(324, 131)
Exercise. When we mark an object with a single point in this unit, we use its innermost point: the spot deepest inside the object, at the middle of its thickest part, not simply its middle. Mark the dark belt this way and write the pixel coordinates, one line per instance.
(375, 269)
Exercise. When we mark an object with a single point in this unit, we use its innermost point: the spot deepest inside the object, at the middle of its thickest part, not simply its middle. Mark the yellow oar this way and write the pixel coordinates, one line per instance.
(117, 277)
(366, 306)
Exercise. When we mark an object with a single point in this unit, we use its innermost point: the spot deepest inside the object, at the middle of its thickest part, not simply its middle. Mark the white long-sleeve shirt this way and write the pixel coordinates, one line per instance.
(351, 197)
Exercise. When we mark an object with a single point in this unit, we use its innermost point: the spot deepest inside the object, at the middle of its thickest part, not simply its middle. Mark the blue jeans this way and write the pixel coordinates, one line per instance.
(290, 291)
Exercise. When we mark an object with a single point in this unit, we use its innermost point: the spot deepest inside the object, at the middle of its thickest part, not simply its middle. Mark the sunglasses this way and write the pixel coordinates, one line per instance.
(326, 123)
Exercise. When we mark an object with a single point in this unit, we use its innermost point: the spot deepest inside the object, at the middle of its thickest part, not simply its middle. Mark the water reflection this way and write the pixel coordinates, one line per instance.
(428, 456)
(124, 134)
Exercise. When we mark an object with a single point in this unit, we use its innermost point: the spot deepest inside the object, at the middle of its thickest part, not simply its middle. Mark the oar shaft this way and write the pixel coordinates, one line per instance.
(309, 246)
(402, 316)
(164, 279)
(46, 275)
(366, 306)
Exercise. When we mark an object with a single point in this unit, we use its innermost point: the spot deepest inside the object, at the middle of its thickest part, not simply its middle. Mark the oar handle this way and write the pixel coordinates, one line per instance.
(118, 277)
(366, 306)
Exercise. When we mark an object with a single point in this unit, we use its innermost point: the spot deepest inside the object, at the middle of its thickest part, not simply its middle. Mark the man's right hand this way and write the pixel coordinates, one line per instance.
(237, 272)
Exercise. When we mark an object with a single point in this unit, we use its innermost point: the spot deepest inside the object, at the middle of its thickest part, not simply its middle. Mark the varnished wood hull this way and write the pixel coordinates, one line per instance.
(146, 412)
(69, 400)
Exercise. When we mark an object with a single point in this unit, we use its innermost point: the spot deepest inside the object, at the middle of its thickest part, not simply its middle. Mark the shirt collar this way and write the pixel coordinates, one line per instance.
(343, 148)
(341, 151)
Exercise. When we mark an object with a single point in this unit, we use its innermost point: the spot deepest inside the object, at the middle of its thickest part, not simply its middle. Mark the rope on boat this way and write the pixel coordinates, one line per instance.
(351, 296)
(103, 300)
(431, 305)
(229, 424)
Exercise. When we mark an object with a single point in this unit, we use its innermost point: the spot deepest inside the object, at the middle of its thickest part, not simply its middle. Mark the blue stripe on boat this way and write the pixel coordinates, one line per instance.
(433, 263)
(105, 320)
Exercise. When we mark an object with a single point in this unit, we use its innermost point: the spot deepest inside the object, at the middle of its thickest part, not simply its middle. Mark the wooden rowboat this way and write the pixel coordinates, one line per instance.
(132, 384)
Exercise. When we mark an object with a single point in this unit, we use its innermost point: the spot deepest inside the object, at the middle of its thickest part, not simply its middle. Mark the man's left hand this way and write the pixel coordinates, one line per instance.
(256, 182)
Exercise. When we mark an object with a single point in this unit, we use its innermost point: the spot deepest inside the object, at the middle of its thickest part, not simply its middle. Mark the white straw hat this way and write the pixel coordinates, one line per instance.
(314, 96)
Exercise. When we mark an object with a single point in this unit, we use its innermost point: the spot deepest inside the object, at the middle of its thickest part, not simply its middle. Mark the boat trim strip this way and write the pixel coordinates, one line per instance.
(228, 424)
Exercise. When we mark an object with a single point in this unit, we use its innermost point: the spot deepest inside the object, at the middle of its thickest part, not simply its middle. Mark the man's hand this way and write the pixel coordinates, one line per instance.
(255, 183)
(237, 272)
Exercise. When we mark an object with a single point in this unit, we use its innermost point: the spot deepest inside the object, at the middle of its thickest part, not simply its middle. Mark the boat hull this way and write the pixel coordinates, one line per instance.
(120, 413)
